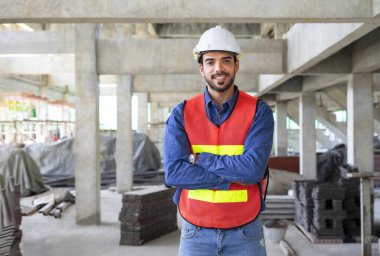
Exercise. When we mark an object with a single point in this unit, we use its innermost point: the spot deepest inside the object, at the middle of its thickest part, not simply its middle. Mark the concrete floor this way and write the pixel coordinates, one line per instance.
(45, 235)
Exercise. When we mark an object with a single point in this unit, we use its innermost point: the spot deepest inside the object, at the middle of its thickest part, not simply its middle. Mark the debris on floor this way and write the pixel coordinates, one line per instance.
(51, 203)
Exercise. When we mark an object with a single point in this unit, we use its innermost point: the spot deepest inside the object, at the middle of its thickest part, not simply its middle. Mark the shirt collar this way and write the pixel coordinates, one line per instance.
(230, 101)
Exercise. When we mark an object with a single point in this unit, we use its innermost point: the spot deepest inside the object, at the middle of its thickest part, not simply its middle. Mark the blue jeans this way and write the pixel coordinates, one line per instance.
(247, 240)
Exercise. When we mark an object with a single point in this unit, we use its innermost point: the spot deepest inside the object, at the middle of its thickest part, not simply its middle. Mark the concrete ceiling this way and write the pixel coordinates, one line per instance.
(288, 46)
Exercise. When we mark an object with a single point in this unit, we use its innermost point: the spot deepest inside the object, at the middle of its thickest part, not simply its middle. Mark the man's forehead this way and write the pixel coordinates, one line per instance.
(217, 55)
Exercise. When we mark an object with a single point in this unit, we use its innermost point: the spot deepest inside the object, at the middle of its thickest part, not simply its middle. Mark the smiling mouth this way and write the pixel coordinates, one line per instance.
(220, 77)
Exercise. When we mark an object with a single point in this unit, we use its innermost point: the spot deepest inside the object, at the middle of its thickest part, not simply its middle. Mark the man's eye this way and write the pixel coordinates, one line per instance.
(209, 63)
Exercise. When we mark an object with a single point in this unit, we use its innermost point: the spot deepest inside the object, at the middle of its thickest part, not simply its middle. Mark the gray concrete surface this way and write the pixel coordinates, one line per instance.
(45, 235)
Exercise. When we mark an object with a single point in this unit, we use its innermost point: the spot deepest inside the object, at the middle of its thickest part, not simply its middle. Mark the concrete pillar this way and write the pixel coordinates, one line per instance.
(142, 99)
(280, 29)
(308, 158)
(87, 169)
(124, 136)
(360, 121)
(360, 145)
(157, 125)
(281, 133)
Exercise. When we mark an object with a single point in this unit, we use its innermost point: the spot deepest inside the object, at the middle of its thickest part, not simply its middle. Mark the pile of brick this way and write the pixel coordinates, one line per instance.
(327, 210)
(147, 213)
(351, 204)
(278, 207)
(10, 218)
(304, 203)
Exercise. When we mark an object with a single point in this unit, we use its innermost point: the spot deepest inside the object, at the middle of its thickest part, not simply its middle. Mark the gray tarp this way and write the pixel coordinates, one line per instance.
(10, 217)
(6, 204)
(17, 164)
(328, 163)
(58, 157)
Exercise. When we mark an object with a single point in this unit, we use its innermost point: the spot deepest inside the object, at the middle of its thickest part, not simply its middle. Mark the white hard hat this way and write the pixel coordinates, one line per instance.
(216, 39)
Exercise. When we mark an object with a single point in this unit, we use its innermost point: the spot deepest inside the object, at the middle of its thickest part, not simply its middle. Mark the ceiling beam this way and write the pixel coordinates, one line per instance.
(366, 53)
(174, 56)
(316, 83)
(8, 84)
(185, 83)
(309, 44)
(338, 63)
(182, 11)
(292, 85)
(129, 56)
(36, 64)
(37, 42)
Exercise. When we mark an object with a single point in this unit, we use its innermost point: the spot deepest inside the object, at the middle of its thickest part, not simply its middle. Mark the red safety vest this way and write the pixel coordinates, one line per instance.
(221, 208)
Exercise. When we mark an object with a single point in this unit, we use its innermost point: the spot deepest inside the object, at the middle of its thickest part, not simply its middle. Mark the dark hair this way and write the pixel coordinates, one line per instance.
(200, 59)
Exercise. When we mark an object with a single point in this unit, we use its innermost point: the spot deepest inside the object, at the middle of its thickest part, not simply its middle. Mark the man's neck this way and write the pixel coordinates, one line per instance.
(220, 97)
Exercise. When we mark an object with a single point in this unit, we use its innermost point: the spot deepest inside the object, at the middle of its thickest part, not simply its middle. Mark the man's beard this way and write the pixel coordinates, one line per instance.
(224, 88)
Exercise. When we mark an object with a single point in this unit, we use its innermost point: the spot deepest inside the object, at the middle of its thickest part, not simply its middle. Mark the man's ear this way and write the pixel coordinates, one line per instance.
(201, 70)
(237, 65)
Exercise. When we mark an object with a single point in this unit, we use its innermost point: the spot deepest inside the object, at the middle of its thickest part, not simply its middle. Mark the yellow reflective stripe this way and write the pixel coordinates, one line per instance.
(229, 150)
(219, 196)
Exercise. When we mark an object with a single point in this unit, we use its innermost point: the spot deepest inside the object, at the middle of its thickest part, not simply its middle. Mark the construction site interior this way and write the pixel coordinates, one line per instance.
(86, 89)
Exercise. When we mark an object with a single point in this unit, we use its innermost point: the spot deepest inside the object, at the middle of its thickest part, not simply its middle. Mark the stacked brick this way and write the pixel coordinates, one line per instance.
(328, 212)
(10, 218)
(351, 204)
(304, 203)
(146, 214)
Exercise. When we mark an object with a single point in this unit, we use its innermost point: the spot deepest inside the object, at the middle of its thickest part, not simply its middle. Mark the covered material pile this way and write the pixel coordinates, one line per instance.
(147, 213)
(56, 159)
(10, 217)
(17, 164)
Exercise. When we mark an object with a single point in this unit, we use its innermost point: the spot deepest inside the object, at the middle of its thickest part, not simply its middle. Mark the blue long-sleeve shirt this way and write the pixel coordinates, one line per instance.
(215, 171)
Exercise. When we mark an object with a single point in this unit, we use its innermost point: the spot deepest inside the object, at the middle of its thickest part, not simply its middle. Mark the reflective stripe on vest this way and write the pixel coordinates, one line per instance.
(219, 196)
(229, 150)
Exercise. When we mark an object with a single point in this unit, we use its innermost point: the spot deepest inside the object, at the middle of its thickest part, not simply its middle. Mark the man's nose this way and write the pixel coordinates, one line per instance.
(218, 66)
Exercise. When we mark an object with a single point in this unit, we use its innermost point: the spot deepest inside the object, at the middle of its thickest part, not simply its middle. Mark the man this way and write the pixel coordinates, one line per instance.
(217, 146)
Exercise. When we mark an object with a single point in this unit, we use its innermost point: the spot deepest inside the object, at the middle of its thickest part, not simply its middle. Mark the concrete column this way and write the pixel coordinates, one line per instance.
(281, 133)
(308, 158)
(87, 169)
(360, 121)
(157, 125)
(124, 136)
(280, 29)
(142, 99)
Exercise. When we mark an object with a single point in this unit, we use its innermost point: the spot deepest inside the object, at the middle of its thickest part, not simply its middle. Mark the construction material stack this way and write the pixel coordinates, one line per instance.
(10, 217)
(304, 203)
(278, 207)
(147, 213)
(328, 213)
(319, 210)
(351, 202)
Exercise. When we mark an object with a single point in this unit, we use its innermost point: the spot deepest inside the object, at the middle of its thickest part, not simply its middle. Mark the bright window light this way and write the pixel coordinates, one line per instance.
(341, 116)
(25, 27)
